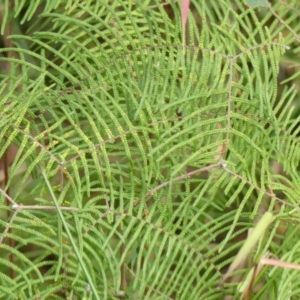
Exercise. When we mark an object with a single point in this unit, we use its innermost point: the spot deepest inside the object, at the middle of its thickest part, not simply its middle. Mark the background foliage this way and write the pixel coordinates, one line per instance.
(137, 150)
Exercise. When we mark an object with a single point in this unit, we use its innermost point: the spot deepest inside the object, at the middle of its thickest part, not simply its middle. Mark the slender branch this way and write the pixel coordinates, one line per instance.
(295, 35)
(11, 242)
(8, 198)
(181, 177)
(18, 207)
(8, 227)
(271, 195)
(72, 241)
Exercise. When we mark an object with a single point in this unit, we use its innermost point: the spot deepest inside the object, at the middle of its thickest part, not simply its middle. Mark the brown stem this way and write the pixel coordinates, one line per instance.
(181, 177)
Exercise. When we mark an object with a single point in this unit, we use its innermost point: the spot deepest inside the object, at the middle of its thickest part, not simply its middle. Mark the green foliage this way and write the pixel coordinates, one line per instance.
(159, 153)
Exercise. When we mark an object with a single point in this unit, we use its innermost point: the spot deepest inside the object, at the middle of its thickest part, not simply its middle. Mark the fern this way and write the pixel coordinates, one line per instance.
(147, 148)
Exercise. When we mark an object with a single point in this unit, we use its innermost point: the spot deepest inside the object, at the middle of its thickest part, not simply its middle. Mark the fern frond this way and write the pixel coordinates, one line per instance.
(158, 154)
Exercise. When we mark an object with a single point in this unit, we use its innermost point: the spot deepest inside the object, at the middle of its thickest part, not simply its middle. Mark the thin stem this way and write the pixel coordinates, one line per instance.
(42, 207)
(181, 177)
(80, 260)
(8, 227)
(271, 195)
(7, 197)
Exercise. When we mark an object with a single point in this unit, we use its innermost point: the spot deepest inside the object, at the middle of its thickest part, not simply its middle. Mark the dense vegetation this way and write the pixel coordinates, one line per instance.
(140, 143)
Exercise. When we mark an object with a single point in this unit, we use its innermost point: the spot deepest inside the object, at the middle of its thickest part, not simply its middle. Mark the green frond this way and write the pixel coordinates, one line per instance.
(144, 156)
